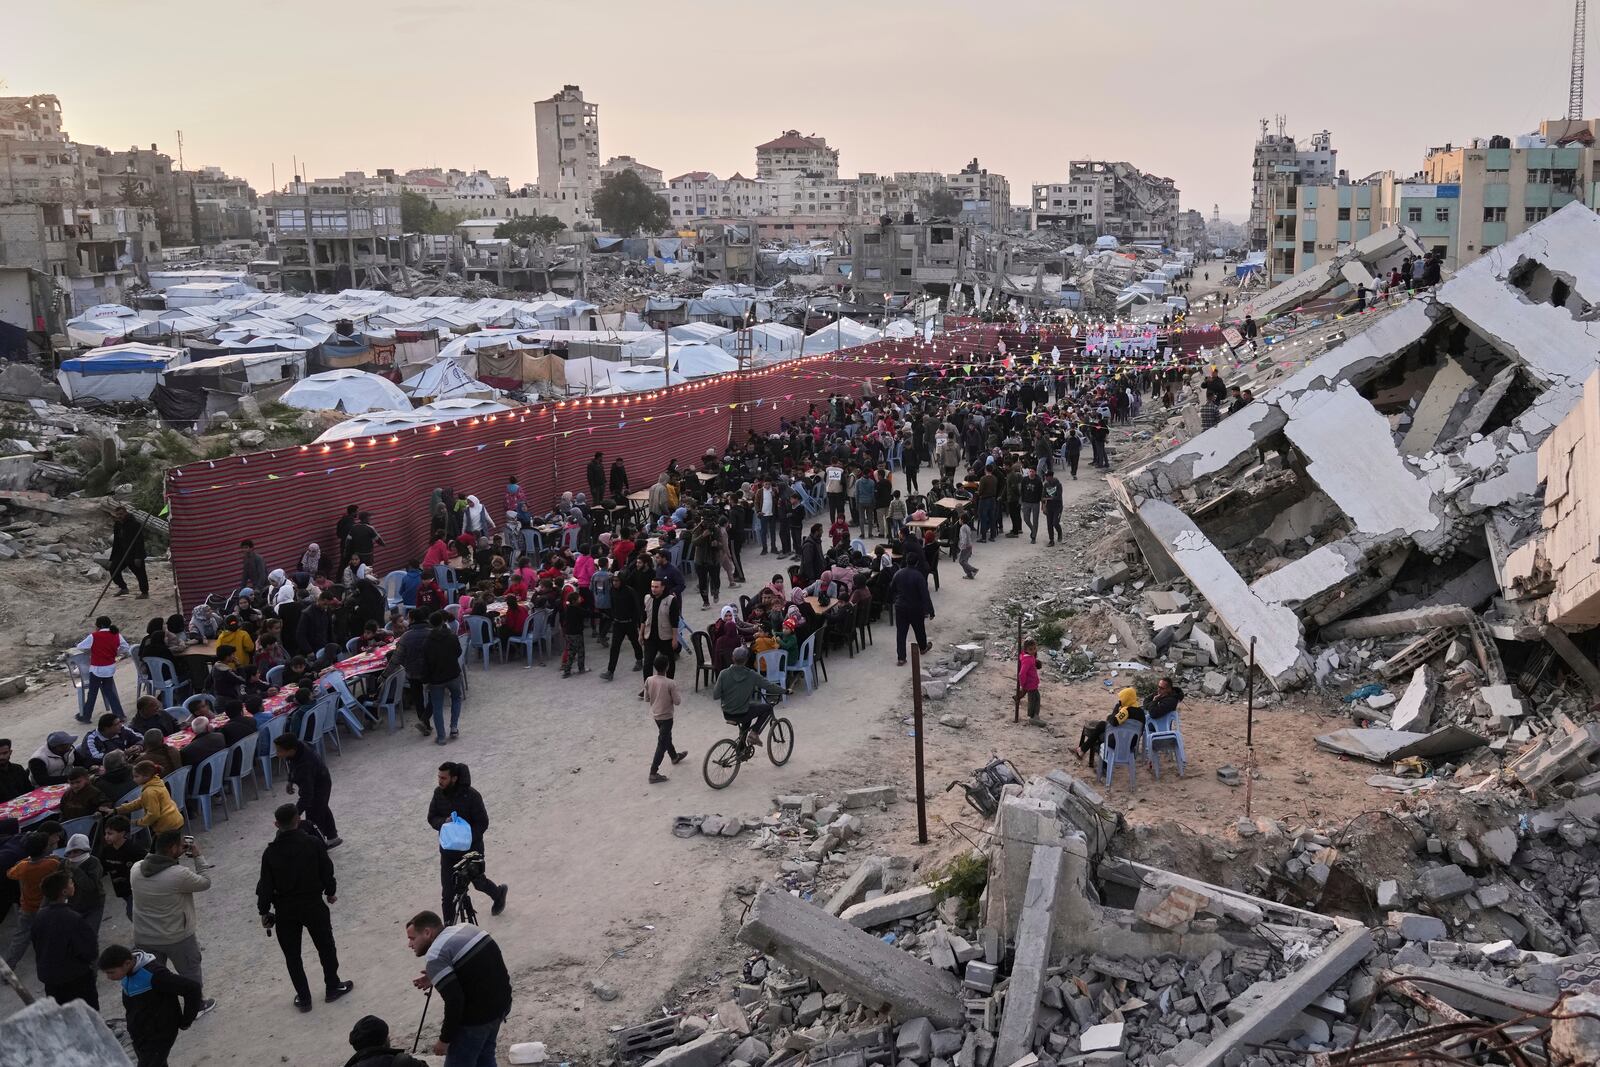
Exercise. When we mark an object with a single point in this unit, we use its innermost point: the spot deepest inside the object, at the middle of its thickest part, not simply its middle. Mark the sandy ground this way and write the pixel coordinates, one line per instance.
(601, 890)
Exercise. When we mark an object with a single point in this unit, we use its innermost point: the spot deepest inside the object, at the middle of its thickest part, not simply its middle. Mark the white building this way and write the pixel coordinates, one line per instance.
(651, 176)
(791, 152)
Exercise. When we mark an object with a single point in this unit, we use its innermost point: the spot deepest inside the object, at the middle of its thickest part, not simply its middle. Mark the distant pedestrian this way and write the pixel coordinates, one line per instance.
(309, 776)
(29, 873)
(662, 693)
(658, 628)
(453, 797)
(966, 538)
(464, 965)
(157, 1003)
(296, 874)
(912, 606)
(442, 662)
(1052, 508)
(105, 646)
(1028, 677)
(127, 553)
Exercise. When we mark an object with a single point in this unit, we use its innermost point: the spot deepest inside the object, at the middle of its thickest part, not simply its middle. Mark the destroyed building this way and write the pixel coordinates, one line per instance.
(1407, 453)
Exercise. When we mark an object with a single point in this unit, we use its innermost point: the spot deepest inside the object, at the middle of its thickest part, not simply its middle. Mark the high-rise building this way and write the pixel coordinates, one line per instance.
(1280, 160)
(567, 135)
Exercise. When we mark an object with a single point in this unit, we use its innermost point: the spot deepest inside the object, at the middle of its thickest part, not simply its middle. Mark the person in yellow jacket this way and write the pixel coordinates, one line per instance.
(160, 813)
(237, 639)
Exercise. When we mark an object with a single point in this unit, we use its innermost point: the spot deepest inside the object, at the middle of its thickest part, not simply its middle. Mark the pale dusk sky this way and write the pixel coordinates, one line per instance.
(1176, 87)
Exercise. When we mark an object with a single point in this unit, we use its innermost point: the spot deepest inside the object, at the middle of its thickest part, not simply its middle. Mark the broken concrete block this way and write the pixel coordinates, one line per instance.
(1414, 710)
(1168, 906)
(1101, 1036)
(869, 797)
(1445, 883)
(1389, 895)
(1032, 958)
(1500, 843)
(1414, 927)
(1575, 1035)
(62, 1035)
(953, 722)
(1214, 684)
(914, 1040)
(1503, 704)
(981, 976)
(707, 1050)
(881, 977)
(891, 907)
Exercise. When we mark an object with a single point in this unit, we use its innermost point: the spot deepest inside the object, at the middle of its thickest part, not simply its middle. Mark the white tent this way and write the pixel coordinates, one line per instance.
(461, 407)
(844, 333)
(700, 361)
(374, 423)
(117, 373)
(901, 328)
(769, 341)
(351, 391)
(102, 323)
(444, 378)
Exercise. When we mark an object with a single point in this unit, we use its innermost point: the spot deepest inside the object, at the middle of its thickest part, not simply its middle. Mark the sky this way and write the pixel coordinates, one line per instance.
(1176, 87)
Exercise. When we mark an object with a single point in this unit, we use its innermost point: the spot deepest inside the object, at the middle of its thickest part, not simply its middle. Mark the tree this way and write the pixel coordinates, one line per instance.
(627, 205)
(940, 204)
(525, 231)
(418, 214)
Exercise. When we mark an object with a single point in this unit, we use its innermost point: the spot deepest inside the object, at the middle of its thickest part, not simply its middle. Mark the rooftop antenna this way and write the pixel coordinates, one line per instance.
(1579, 41)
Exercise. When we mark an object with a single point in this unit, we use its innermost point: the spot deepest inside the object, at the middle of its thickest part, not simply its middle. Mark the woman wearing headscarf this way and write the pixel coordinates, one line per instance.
(311, 559)
(279, 589)
(1127, 710)
(477, 520)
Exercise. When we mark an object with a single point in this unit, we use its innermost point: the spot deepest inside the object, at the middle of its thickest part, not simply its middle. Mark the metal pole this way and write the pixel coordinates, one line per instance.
(9, 977)
(916, 726)
(1249, 729)
(1016, 701)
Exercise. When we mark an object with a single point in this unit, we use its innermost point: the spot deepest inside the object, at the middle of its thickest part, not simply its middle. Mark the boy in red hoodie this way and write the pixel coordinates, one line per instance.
(1028, 678)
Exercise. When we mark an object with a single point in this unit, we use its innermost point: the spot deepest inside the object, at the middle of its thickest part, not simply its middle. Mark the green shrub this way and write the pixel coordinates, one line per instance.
(1049, 634)
(965, 877)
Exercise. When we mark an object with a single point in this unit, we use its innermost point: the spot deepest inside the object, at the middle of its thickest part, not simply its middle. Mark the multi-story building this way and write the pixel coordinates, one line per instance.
(790, 152)
(1101, 199)
(934, 257)
(52, 217)
(1280, 160)
(725, 252)
(224, 206)
(651, 176)
(1314, 223)
(985, 197)
(702, 196)
(333, 237)
(1500, 189)
(567, 135)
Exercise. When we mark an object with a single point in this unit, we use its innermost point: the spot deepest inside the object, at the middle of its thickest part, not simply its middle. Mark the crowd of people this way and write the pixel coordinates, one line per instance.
(806, 523)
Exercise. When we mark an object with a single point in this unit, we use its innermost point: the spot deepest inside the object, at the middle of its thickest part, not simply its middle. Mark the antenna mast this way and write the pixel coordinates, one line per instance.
(1579, 40)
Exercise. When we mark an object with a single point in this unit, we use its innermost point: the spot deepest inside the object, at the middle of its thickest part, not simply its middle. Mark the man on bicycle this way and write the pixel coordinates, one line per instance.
(737, 689)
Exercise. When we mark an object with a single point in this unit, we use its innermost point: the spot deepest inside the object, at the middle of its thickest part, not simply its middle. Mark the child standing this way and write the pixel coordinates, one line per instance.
(1028, 678)
(156, 1002)
(119, 853)
(897, 514)
(574, 620)
(662, 693)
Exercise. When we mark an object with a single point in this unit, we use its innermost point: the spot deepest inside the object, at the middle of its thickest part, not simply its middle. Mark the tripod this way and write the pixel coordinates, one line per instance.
(469, 867)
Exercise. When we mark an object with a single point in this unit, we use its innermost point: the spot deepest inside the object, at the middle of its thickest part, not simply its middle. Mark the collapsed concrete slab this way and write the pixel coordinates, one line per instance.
(1359, 264)
(1032, 958)
(62, 1035)
(841, 958)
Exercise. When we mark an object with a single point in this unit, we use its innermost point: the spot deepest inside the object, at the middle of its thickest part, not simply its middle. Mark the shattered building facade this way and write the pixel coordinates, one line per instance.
(1102, 198)
(1407, 455)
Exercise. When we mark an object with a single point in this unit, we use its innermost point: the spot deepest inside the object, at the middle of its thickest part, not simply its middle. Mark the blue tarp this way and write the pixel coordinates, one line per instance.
(114, 364)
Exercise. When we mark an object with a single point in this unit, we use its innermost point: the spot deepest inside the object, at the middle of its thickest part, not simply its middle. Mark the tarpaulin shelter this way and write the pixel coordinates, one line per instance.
(352, 391)
(116, 374)
(444, 379)
(844, 333)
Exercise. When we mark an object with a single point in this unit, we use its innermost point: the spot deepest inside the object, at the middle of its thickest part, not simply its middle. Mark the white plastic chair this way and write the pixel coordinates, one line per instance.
(774, 665)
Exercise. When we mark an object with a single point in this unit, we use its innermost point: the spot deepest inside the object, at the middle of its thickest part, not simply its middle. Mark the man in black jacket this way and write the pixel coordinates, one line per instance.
(157, 1003)
(455, 796)
(465, 966)
(128, 551)
(408, 655)
(619, 479)
(296, 874)
(624, 624)
(14, 777)
(912, 605)
(315, 629)
(441, 662)
(64, 945)
(597, 479)
(309, 776)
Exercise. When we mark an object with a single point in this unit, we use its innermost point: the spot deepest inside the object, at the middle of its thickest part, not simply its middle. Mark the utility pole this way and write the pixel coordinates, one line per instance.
(1579, 47)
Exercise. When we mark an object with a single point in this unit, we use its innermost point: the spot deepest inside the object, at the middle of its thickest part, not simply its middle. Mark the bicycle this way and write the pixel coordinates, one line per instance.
(725, 757)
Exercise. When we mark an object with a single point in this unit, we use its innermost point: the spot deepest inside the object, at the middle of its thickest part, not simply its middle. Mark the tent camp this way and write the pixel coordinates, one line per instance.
(699, 361)
(102, 324)
(374, 423)
(116, 374)
(351, 391)
(443, 379)
(769, 342)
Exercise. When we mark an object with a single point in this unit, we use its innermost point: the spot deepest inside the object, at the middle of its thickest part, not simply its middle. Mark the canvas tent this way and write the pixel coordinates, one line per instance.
(116, 374)
(444, 379)
(843, 333)
(351, 391)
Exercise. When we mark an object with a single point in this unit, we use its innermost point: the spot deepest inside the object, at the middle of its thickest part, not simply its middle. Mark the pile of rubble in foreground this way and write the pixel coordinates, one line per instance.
(1057, 953)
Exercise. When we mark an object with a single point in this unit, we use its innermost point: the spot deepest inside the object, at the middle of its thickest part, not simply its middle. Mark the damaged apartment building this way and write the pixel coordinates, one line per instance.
(1401, 470)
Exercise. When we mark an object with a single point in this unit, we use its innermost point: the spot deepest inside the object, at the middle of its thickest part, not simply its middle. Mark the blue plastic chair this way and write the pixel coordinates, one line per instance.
(480, 637)
(532, 543)
(208, 784)
(897, 455)
(448, 581)
(465, 640)
(269, 733)
(319, 723)
(347, 706)
(390, 696)
(391, 587)
(164, 679)
(87, 825)
(1118, 750)
(529, 637)
(177, 784)
(353, 646)
(774, 664)
(189, 711)
(569, 538)
(275, 675)
(1164, 731)
(805, 663)
(241, 764)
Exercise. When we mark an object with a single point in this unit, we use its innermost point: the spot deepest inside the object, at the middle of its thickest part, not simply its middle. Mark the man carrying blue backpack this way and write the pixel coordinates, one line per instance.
(457, 812)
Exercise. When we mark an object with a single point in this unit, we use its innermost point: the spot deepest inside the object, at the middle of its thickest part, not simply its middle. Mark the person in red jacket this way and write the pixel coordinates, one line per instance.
(1028, 678)
(104, 646)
